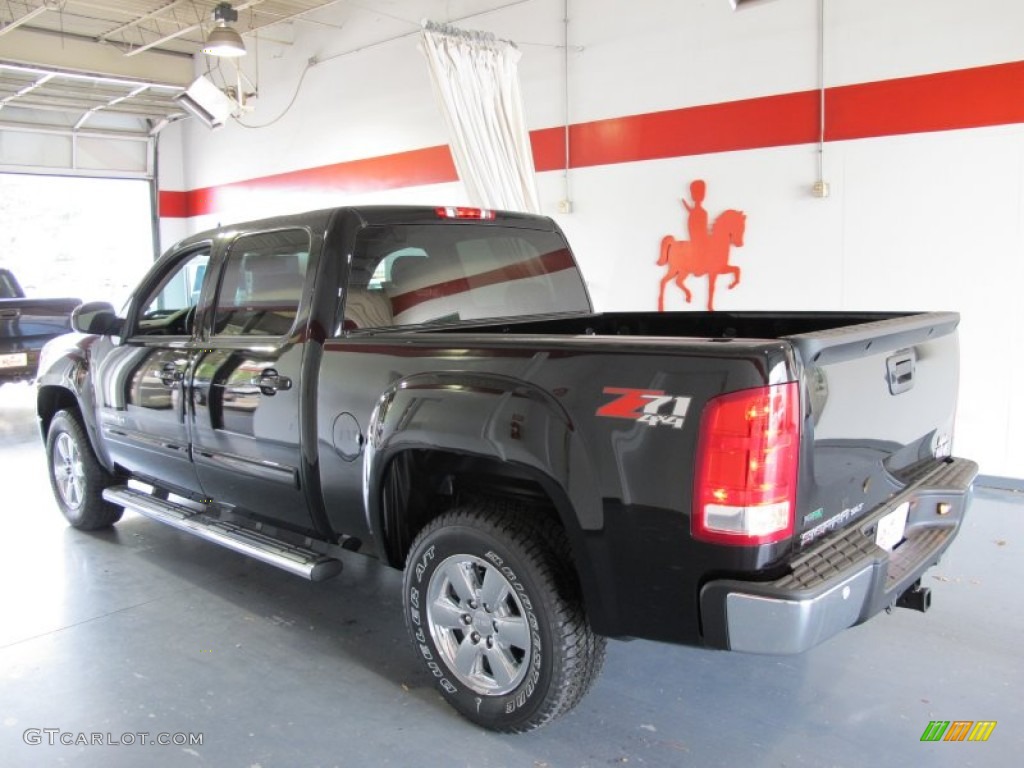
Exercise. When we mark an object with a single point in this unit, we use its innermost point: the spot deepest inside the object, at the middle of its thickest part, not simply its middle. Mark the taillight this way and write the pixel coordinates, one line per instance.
(747, 460)
(449, 212)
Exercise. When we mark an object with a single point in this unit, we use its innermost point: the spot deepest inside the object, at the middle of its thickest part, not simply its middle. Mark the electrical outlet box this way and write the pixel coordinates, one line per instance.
(820, 189)
(565, 206)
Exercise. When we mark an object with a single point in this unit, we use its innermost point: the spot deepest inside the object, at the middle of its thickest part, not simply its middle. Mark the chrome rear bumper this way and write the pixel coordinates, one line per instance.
(843, 581)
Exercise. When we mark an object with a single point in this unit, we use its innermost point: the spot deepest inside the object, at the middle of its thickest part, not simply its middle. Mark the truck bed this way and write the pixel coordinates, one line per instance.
(713, 325)
(878, 389)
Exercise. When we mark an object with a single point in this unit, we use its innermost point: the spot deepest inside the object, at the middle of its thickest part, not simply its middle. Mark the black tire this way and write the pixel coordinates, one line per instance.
(76, 476)
(548, 657)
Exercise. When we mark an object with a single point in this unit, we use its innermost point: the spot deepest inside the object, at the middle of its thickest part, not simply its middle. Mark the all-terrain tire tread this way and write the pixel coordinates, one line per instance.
(541, 540)
(95, 512)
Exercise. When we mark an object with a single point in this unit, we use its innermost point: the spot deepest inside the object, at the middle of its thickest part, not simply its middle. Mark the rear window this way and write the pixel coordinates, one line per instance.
(8, 290)
(424, 273)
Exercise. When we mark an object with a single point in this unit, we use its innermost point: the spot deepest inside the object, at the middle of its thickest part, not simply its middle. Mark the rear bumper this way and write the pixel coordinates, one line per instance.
(24, 372)
(844, 580)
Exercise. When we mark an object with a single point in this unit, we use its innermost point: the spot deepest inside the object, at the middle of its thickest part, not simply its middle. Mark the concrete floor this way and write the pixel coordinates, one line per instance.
(145, 629)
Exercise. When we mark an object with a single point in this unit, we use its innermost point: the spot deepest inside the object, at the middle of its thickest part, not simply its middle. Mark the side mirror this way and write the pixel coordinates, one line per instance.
(96, 317)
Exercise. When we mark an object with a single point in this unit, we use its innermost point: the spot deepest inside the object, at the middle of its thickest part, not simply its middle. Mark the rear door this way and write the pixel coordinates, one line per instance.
(246, 395)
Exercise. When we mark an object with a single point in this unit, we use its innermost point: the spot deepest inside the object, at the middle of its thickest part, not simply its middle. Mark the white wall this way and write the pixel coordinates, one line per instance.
(922, 221)
(171, 176)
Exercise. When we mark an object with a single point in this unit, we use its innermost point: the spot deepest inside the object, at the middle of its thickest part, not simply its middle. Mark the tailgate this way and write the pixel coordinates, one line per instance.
(882, 399)
(30, 323)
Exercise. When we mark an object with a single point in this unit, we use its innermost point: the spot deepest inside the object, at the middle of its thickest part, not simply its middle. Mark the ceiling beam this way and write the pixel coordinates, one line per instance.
(182, 30)
(137, 21)
(72, 52)
(12, 25)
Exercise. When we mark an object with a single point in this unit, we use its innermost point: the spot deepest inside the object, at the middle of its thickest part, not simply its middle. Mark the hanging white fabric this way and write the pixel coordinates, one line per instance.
(476, 81)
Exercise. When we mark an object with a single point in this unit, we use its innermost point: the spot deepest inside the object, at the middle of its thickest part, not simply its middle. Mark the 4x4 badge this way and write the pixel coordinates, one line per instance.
(648, 406)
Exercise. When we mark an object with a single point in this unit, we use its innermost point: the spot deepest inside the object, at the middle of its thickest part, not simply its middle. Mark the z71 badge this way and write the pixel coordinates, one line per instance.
(648, 406)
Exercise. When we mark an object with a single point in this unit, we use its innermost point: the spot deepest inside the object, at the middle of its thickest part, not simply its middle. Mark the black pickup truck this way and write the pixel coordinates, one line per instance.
(25, 326)
(432, 387)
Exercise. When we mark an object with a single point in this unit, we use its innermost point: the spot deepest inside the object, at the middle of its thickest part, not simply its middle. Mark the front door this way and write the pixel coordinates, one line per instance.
(246, 433)
(142, 383)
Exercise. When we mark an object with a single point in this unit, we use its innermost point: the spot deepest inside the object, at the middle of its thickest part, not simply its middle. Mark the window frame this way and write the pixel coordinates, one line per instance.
(227, 247)
(155, 282)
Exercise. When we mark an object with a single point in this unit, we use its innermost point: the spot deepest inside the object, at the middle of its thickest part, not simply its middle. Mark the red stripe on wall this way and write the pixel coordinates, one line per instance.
(432, 165)
(771, 121)
(173, 205)
(968, 98)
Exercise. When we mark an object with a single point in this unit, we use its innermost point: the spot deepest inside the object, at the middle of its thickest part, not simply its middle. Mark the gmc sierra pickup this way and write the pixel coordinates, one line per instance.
(430, 386)
(25, 326)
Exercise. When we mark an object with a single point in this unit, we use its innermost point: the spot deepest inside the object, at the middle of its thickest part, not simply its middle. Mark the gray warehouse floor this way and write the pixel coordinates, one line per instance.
(144, 629)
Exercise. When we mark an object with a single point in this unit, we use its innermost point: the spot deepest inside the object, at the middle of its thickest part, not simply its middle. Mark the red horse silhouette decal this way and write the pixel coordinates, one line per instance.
(704, 253)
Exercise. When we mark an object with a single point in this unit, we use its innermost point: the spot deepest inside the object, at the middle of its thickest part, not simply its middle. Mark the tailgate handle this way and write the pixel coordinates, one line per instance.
(901, 371)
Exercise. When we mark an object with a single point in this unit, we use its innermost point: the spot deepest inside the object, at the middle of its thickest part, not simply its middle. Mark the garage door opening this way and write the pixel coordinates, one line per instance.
(89, 238)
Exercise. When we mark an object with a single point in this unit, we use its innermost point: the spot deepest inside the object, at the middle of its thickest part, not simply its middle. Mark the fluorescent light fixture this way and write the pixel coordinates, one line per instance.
(206, 102)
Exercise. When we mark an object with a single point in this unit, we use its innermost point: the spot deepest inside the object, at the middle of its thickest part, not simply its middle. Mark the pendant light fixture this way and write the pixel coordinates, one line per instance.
(224, 40)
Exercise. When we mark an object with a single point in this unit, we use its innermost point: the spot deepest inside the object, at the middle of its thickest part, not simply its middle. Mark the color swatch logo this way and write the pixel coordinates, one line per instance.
(958, 730)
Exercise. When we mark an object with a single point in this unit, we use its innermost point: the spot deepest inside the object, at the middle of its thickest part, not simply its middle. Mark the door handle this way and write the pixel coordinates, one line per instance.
(271, 382)
(170, 375)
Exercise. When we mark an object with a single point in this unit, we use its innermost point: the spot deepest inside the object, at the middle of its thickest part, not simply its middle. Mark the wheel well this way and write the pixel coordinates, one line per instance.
(49, 401)
(421, 485)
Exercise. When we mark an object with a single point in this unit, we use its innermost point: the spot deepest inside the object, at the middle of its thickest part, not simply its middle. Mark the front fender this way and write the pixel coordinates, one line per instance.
(64, 379)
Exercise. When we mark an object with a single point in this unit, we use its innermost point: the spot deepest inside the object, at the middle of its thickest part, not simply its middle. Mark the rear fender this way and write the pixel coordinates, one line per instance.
(481, 415)
(495, 417)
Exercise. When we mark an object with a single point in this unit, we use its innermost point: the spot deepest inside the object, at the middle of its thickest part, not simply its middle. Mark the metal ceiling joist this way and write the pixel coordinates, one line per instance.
(12, 25)
(134, 26)
(184, 30)
(117, 63)
(81, 72)
(139, 20)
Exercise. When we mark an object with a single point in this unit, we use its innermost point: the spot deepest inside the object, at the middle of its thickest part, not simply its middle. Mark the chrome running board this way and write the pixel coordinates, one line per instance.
(289, 557)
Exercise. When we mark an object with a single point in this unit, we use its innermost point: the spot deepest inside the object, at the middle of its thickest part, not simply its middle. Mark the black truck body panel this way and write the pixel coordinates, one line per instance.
(355, 436)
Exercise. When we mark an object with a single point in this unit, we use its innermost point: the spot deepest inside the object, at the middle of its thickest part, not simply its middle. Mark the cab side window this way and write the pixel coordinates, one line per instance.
(261, 284)
(166, 309)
